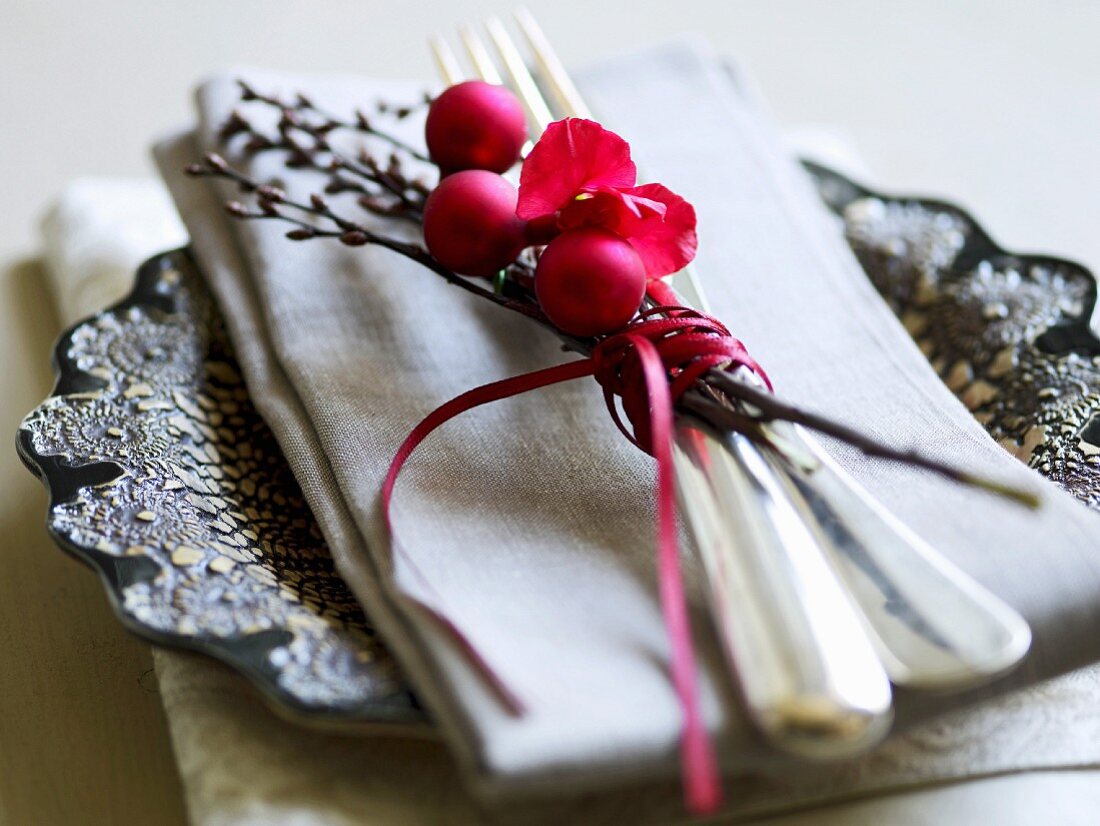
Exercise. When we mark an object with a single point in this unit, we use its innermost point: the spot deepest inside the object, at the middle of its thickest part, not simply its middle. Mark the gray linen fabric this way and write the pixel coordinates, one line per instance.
(529, 522)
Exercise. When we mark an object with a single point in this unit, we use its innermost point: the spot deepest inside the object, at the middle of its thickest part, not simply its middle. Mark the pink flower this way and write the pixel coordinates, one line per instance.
(581, 175)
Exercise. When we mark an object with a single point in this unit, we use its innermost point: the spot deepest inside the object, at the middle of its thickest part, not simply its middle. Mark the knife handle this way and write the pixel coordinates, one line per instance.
(802, 660)
(935, 627)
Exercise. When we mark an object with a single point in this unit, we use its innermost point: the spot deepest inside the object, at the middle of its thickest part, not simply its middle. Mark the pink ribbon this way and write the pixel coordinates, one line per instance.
(648, 365)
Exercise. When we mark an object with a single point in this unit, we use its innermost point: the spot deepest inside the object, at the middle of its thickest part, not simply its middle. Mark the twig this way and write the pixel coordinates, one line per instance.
(271, 199)
(374, 181)
(772, 408)
(361, 123)
(720, 398)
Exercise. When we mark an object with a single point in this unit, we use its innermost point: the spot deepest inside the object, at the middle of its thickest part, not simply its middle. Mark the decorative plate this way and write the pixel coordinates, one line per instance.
(1010, 334)
(166, 481)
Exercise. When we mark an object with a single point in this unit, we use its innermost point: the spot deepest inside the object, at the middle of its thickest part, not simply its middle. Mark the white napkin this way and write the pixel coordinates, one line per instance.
(97, 232)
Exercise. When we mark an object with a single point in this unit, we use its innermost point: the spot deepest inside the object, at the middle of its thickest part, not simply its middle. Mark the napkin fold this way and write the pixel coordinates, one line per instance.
(529, 523)
(95, 234)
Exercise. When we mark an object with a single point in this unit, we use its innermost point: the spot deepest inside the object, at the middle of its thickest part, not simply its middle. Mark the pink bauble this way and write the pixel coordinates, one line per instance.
(589, 282)
(475, 125)
(470, 223)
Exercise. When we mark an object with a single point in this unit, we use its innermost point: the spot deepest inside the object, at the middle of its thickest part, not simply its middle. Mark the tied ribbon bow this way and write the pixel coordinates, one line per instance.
(648, 365)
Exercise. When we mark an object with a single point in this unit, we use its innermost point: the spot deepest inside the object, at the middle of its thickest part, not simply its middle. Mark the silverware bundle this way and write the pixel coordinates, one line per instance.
(822, 599)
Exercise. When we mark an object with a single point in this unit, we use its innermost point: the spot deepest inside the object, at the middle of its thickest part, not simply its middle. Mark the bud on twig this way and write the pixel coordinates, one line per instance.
(215, 161)
(271, 193)
(354, 238)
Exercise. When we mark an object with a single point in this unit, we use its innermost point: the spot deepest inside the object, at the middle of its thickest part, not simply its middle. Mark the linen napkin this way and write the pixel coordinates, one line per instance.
(531, 526)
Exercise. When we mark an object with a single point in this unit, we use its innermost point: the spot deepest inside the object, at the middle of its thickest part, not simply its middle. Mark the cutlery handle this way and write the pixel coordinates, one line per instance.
(934, 625)
(808, 673)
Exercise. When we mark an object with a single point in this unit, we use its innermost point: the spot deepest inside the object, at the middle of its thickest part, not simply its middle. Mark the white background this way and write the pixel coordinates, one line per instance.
(994, 103)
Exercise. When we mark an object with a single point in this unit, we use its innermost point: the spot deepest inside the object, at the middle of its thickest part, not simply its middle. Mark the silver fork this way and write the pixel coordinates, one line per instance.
(773, 526)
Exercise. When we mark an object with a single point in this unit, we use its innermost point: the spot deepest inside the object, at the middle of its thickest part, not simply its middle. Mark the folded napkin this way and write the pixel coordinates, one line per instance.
(97, 232)
(528, 523)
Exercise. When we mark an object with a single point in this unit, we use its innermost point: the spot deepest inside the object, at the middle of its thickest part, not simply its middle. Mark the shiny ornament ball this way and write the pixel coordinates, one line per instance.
(470, 223)
(589, 282)
(475, 125)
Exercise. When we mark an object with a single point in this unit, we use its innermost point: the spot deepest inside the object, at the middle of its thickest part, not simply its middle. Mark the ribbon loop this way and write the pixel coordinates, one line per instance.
(648, 366)
(687, 342)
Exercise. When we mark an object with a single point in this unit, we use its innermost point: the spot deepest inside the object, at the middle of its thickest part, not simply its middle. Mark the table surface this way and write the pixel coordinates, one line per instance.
(992, 104)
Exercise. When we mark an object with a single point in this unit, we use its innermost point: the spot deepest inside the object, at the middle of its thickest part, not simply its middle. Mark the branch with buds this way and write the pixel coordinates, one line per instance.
(385, 188)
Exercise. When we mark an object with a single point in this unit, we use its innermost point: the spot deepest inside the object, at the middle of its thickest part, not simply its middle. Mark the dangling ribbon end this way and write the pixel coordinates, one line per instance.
(702, 782)
(504, 694)
(646, 389)
(473, 398)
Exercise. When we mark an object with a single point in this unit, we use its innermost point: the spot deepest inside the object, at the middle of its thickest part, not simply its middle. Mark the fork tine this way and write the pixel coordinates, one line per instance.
(571, 104)
(446, 61)
(523, 84)
(479, 55)
(554, 75)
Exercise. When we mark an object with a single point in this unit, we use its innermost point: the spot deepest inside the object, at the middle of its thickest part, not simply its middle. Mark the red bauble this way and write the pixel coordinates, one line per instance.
(475, 125)
(589, 282)
(470, 223)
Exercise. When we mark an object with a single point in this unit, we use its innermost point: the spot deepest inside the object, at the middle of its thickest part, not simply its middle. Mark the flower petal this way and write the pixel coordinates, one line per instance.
(572, 156)
(641, 207)
(665, 239)
(592, 209)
